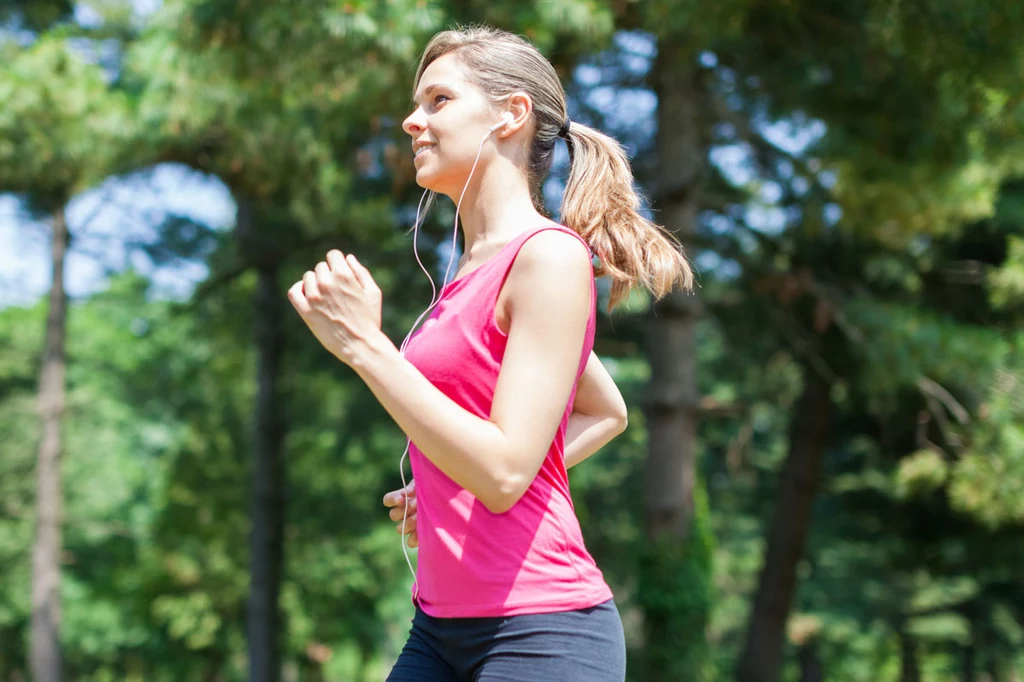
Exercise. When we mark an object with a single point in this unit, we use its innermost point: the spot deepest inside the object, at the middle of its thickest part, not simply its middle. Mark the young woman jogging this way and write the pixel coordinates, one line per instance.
(499, 391)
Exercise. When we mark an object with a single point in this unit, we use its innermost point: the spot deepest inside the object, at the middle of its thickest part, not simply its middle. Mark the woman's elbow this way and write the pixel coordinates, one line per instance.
(506, 493)
(501, 504)
(621, 421)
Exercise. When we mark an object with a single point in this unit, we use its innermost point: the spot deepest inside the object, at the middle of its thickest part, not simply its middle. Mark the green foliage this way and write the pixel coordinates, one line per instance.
(676, 592)
(921, 473)
(908, 344)
(60, 127)
(988, 480)
(919, 101)
(1007, 282)
(21, 334)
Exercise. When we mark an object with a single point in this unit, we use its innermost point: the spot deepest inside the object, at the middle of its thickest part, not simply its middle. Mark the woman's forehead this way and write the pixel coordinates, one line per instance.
(443, 71)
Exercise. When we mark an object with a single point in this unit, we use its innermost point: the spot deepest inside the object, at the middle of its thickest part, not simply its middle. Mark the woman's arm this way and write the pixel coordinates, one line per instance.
(598, 414)
(497, 458)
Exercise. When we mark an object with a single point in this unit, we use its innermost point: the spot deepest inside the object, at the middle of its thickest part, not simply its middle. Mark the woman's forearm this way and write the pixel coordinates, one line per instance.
(465, 447)
(586, 434)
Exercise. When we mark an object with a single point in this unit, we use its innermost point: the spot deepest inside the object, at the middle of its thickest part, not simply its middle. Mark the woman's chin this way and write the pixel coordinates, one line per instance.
(423, 176)
(425, 182)
(428, 180)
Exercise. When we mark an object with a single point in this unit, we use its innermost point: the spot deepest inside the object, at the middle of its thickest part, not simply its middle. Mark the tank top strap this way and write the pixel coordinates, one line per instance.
(510, 253)
(499, 274)
(474, 296)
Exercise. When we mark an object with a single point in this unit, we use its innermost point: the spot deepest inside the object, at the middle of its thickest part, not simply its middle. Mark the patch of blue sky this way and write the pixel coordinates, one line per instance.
(107, 225)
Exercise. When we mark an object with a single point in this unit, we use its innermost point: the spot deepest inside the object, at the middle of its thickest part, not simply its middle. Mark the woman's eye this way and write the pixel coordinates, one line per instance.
(437, 98)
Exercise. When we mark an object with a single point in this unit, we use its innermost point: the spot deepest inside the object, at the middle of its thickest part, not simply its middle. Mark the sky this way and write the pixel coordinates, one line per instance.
(101, 221)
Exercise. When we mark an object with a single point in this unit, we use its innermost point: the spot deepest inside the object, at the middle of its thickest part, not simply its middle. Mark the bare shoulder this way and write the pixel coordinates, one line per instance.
(554, 255)
(550, 279)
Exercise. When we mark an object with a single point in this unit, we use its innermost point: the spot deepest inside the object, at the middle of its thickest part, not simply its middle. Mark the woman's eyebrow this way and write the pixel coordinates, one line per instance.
(427, 90)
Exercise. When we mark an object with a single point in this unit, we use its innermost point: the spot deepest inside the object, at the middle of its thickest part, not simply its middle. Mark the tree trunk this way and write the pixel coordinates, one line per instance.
(967, 671)
(810, 664)
(672, 398)
(798, 482)
(910, 671)
(676, 562)
(268, 491)
(995, 670)
(671, 414)
(970, 652)
(45, 659)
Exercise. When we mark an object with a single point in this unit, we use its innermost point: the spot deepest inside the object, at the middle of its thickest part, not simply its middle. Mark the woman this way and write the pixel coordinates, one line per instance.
(505, 588)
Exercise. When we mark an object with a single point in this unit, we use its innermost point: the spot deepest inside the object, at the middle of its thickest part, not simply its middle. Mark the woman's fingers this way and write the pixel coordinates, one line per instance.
(402, 502)
(410, 525)
(396, 513)
(322, 274)
(361, 273)
(396, 498)
(309, 286)
(337, 263)
(298, 298)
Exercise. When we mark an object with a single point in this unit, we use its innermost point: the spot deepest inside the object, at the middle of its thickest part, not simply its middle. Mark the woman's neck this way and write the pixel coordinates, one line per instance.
(496, 209)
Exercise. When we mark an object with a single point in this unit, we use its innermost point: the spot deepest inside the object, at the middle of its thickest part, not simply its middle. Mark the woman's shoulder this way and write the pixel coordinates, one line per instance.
(553, 246)
(551, 263)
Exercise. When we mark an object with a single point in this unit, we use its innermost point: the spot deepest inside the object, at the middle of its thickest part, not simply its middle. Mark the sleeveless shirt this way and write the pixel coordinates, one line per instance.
(472, 562)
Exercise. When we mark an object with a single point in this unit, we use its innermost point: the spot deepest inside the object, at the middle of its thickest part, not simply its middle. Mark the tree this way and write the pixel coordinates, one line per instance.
(58, 125)
(676, 562)
(875, 77)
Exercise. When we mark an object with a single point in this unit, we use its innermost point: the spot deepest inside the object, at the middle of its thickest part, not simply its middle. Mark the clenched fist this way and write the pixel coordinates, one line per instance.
(340, 303)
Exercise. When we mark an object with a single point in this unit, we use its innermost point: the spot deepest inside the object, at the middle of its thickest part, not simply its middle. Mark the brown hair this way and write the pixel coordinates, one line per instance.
(600, 203)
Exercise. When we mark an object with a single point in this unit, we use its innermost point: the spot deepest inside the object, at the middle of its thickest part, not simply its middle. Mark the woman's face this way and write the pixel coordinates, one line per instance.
(451, 118)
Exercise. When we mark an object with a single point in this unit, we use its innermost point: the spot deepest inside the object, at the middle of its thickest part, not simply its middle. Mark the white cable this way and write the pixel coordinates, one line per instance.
(415, 250)
(405, 343)
(408, 337)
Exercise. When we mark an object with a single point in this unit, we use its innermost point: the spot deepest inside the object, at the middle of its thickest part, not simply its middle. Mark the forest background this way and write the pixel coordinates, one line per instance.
(823, 476)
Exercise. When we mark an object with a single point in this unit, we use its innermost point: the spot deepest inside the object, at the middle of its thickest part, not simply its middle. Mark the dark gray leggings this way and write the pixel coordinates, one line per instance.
(570, 646)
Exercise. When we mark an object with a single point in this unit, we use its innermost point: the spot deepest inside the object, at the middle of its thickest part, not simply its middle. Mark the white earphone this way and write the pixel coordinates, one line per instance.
(506, 119)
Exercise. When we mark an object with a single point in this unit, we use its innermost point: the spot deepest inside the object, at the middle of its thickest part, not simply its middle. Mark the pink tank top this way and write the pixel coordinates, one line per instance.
(471, 562)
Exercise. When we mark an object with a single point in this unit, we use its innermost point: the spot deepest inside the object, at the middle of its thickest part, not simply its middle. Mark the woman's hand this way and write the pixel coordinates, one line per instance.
(403, 501)
(340, 303)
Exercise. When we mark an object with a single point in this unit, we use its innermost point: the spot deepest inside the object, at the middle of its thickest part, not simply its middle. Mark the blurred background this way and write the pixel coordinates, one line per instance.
(823, 476)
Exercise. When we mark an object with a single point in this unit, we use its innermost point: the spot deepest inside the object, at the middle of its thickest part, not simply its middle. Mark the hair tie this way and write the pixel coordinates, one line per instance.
(563, 133)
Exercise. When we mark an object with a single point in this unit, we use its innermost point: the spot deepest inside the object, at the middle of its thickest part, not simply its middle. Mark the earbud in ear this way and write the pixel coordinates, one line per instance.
(506, 119)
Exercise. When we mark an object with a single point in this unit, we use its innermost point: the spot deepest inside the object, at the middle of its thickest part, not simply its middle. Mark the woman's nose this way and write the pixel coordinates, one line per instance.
(413, 124)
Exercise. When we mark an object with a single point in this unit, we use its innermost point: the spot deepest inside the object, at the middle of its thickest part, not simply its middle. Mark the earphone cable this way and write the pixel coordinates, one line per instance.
(408, 337)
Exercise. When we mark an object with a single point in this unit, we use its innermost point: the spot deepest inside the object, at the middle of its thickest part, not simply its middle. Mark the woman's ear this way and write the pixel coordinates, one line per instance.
(520, 105)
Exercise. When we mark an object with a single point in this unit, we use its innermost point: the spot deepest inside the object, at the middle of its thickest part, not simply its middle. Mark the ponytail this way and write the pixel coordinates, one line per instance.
(601, 206)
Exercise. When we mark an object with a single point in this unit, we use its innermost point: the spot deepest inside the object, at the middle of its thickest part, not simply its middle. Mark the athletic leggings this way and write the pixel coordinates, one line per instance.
(586, 645)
